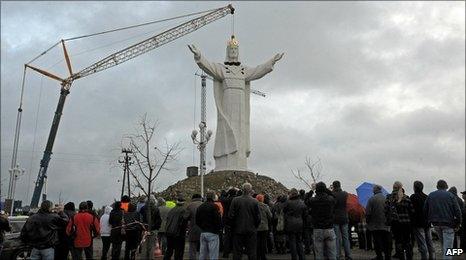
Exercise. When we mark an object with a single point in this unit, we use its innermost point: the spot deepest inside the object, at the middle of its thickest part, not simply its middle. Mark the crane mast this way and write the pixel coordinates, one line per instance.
(108, 62)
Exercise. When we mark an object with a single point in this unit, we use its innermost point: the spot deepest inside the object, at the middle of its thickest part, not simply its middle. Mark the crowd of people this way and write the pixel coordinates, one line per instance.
(241, 222)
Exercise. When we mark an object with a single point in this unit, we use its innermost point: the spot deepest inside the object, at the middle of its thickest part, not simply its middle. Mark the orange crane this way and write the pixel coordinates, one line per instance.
(112, 60)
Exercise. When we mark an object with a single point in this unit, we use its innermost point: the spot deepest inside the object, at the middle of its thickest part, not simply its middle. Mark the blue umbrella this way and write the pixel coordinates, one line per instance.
(365, 192)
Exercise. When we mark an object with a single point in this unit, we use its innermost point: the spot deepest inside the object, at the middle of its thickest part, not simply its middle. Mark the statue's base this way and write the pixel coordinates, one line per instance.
(224, 180)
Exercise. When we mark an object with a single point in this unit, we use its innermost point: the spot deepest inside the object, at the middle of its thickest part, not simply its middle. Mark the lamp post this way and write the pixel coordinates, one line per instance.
(204, 135)
(14, 176)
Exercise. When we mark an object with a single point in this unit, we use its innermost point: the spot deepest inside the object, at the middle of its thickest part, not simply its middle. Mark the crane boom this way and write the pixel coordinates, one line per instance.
(154, 42)
(108, 62)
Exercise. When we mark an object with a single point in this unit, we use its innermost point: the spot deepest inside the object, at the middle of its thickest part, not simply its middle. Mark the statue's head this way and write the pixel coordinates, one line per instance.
(232, 52)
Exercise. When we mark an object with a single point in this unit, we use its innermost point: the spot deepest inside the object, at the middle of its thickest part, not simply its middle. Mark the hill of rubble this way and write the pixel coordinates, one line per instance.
(223, 180)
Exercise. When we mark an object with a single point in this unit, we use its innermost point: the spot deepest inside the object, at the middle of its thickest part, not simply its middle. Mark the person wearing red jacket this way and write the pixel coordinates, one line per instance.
(82, 228)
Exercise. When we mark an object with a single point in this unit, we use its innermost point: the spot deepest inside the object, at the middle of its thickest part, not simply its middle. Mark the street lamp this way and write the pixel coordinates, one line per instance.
(204, 135)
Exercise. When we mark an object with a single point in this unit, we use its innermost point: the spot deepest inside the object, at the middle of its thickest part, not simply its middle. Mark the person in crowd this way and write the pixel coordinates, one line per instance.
(209, 220)
(268, 202)
(90, 208)
(279, 225)
(194, 232)
(295, 213)
(40, 231)
(307, 232)
(228, 236)
(244, 218)
(134, 228)
(302, 194)
(263, 229)
(454, 191)
(125, 200)
(163, 209)
(93, 212)
(322, 211)
(220, 209)
(443, 212)
(176, 230)
(463, 225)
(219, 205)
(118, 232)
(105, 229)
(377, 224)
(141, 203)
(81, 227)
(421, 228)
(341, 220)
(62, 249)
(4, 227)
(156, 220)
(399, 211)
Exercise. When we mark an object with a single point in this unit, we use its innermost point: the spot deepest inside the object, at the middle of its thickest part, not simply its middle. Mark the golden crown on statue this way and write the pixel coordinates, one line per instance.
(233, 42)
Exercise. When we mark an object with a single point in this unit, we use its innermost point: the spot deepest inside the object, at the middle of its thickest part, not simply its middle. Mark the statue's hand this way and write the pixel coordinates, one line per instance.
(194, 50)
(278, 56)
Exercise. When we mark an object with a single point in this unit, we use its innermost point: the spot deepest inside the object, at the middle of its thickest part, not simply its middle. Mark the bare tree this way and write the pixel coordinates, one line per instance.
(149, 162)
(315, 170)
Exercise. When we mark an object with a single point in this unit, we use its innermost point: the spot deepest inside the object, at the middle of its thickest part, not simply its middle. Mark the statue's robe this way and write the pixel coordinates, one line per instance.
(231, 93)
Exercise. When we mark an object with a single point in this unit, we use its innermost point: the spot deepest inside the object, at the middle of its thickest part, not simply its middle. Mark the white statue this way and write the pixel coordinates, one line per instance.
(231, 93)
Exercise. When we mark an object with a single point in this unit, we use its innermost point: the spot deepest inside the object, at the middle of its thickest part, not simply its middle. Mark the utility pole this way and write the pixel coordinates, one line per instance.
(204, 136)
(126, 163)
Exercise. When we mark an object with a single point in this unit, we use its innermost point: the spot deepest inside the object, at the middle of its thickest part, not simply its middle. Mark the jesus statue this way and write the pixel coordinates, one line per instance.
(231, 93)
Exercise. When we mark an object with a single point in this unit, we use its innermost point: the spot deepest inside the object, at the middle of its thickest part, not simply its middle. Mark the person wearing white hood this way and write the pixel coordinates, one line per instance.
(105, 229)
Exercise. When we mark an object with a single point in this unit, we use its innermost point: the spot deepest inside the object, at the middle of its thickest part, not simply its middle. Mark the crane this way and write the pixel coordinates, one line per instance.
(110, 61)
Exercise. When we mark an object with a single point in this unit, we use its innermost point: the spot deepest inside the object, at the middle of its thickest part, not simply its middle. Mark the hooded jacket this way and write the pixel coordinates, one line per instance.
(105, 227)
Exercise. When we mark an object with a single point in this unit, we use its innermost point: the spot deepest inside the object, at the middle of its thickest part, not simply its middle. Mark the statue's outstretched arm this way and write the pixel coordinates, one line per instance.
(261, 70)
(214, 70)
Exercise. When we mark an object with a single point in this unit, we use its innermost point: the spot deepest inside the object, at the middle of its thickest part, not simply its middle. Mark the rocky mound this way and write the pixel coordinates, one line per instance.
(223, 180)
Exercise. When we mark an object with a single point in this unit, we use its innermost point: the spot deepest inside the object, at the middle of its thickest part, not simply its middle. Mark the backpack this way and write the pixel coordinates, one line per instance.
(280, 221)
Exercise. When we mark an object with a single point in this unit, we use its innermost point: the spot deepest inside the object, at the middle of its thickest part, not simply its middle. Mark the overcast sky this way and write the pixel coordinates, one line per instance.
(376, 90)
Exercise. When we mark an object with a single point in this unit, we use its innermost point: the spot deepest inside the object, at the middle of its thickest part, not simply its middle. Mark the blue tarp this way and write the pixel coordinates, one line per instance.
(365, 192)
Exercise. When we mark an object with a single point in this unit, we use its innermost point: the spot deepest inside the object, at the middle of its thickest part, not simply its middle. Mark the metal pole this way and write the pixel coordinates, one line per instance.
(202, 129)
(127, 172)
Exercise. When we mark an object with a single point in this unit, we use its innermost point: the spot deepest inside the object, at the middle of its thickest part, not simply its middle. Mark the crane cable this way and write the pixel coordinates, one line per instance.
(34, 138)
(118, 29)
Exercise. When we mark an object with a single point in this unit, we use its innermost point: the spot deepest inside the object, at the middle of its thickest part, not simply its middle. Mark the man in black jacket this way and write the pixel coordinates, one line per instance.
(116, 234)
(208, 219)
(41, 231)
(341, 220)
(176, 230)
(322, 212)
(295, 213)
(421, 229)
(244, 216)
